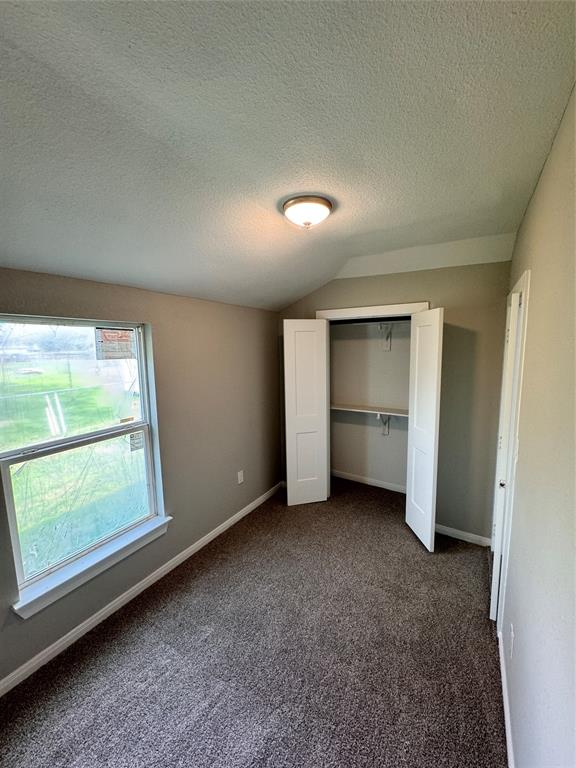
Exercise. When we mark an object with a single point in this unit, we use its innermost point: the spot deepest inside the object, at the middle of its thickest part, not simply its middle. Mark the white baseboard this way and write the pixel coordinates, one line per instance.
(454, 533)
(57, 647)
(471, 538)
(506, 702)
(369, 481)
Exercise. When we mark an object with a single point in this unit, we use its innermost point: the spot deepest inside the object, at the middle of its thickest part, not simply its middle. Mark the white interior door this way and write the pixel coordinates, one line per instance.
(306, 383)
(423, 419)
(506, 453)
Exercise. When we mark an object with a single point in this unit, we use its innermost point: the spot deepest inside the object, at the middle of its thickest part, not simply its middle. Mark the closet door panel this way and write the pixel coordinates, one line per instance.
(423, 421)
(307, 410)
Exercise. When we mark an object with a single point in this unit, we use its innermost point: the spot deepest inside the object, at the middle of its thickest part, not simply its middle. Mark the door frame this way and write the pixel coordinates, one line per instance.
(372, 313)
(508, 440)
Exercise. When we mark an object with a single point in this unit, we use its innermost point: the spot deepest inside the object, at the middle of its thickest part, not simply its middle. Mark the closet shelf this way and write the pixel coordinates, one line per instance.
(378, 409)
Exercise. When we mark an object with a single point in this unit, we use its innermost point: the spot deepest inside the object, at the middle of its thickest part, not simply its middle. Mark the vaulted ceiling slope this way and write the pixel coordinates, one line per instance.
(150, 143)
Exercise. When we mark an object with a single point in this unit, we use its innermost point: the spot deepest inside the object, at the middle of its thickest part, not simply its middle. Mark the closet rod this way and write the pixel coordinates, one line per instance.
(372, 321)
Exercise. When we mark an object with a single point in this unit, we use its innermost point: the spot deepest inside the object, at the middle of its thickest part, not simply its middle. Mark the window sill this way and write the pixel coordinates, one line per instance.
(55, 585)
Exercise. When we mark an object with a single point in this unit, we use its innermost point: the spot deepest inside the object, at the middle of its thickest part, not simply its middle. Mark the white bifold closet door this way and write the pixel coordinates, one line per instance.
(423, 420)
(307, 377)
(307, 384)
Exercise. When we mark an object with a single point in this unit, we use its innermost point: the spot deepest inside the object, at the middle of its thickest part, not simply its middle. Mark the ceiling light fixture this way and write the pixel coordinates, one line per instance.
(308, 210)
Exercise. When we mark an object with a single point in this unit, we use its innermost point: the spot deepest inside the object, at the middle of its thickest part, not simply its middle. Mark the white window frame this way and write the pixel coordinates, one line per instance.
(38, 591)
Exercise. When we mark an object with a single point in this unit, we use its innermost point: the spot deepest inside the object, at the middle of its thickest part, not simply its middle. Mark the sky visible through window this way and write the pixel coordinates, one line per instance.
(58, 381)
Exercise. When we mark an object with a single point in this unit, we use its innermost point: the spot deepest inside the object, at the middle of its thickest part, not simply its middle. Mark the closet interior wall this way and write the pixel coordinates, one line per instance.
(370, 366)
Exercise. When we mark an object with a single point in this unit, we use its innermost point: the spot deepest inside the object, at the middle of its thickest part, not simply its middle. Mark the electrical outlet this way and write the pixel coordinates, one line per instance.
(240, 477)
(511, 640)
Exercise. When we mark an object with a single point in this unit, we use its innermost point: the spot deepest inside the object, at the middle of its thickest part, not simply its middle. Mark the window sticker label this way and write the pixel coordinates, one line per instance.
(115, 344)
(136, 441)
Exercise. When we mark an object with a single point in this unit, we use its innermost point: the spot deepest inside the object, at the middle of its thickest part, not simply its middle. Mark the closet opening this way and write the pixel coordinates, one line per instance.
(369, 386)
(362, 392)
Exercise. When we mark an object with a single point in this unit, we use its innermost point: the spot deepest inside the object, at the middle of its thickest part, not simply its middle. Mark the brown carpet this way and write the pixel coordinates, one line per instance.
(319, 636)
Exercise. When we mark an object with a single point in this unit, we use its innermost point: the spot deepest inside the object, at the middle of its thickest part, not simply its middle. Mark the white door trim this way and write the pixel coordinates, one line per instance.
(509, 424)
(506, 703)
(370, 313)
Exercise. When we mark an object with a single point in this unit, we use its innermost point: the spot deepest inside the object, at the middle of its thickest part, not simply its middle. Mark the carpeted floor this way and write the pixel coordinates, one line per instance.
(319, 636)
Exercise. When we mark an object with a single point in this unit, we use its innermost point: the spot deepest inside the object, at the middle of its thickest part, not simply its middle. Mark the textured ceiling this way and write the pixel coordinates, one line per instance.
(150, 143)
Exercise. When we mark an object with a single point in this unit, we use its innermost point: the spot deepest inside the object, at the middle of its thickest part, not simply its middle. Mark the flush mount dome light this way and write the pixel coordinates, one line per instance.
(307, 211)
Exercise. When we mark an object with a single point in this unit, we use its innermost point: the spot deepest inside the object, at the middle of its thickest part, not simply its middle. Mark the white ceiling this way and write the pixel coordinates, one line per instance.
(150, 143)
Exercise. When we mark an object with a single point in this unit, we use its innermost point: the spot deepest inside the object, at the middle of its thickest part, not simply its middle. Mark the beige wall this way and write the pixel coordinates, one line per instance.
(474, 298)
(216, 370)
(540, 591)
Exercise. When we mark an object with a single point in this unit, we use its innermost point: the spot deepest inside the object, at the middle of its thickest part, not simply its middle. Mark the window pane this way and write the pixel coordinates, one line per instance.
(62, 380)
(68, 501)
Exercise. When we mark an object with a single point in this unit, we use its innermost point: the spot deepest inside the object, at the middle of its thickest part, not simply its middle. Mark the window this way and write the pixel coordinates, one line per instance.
(76, 453)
